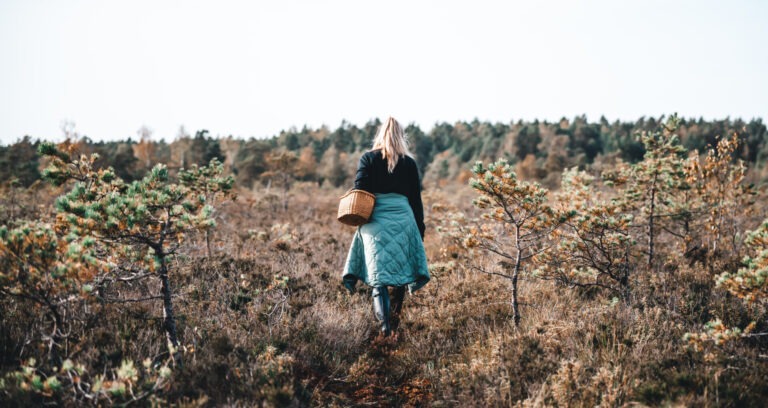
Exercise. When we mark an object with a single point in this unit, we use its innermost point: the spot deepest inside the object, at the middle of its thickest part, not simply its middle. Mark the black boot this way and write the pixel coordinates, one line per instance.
(381, 308)
(398, 296)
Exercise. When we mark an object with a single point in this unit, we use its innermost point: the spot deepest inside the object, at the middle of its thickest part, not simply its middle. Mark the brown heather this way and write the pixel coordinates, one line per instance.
(263, 320)
(248, 340)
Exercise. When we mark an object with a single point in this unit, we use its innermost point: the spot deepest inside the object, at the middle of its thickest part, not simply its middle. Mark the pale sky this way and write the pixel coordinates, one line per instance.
(253, 68)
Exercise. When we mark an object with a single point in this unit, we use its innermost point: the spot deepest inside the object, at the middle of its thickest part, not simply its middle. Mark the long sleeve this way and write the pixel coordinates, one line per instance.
(363, 175)
(414, 199)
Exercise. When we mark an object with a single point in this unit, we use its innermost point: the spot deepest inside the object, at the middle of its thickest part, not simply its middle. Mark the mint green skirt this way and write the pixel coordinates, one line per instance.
(387, 251)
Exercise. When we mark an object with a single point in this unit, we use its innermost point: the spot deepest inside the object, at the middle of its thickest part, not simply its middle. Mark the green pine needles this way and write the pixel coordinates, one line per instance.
(136, 226)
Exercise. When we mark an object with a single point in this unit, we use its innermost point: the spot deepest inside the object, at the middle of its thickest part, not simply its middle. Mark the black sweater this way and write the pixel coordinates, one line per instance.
(373, 177)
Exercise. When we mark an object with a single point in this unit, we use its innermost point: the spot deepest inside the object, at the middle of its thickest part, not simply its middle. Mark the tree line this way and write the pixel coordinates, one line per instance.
(540, 150)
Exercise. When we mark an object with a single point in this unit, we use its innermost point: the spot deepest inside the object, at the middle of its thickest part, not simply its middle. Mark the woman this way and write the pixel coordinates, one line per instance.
(388, 250)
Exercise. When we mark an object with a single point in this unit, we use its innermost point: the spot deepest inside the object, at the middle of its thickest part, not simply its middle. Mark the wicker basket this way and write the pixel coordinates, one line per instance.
(355, 207)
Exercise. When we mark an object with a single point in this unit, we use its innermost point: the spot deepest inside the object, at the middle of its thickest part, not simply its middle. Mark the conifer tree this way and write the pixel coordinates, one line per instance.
(593, 246)
(649, 187)
(518, 223)
(281, 167)
(138, 226)
(750, 282)
(721, 194)
(49, 269)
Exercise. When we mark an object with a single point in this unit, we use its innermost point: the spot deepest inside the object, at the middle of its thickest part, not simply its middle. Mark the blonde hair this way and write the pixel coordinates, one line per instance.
(392, 142)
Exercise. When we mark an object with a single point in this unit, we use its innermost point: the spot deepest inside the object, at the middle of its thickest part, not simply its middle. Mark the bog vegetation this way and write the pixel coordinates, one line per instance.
(573, 264)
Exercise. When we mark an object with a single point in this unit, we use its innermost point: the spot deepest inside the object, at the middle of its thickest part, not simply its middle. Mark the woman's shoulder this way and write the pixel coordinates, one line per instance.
(370, 156)
(369, 160)
(372, 153)
(409, 161)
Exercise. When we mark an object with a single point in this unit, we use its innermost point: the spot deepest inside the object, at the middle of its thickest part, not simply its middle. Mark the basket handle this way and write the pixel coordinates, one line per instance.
(355, 189)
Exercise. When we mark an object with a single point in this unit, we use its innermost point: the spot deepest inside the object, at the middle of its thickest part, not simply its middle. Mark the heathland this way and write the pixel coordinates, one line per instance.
(573, 264)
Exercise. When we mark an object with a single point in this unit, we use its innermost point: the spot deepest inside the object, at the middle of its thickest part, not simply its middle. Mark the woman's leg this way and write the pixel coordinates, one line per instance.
(398, 296)
(381, 308)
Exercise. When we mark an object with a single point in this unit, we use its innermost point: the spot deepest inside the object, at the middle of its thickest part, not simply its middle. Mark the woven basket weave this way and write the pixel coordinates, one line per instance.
(355, 207)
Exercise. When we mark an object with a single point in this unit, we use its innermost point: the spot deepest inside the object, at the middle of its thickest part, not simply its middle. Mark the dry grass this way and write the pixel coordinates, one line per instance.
(252, 337)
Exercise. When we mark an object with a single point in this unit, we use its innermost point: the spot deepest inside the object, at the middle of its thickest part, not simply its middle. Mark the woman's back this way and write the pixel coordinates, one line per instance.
(373, 176)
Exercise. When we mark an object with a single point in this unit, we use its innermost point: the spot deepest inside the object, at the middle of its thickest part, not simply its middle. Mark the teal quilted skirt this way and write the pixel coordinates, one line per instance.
(387, 251)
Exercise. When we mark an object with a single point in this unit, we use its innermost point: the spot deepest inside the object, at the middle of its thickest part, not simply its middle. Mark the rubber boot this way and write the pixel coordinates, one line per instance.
(381, 308)
(398, 296)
